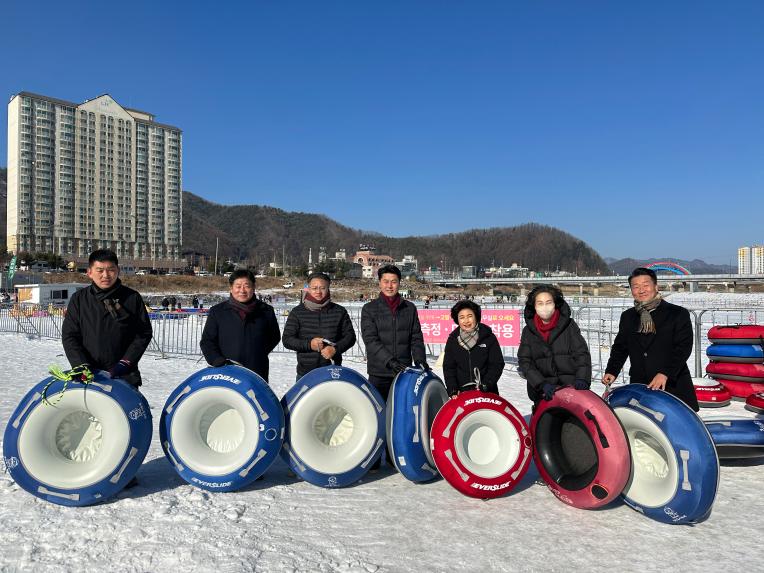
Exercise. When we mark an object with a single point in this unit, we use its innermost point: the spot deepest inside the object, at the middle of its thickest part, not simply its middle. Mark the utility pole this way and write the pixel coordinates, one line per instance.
(217, 244)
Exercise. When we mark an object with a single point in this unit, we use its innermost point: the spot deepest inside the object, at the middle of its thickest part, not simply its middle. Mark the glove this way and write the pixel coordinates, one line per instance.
(120, 369)
(396, 365)
(581, 385)
(423, 366)
(548, 391)
(221, 361)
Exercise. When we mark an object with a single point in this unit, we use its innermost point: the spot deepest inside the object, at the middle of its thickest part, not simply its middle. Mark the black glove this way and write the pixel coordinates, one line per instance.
(219, 362)
(581, 385)
(548, 391)
(120, 369)
(423, 366)
(396, 365)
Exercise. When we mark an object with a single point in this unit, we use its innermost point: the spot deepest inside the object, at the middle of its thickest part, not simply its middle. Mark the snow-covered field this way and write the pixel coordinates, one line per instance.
(383, 523)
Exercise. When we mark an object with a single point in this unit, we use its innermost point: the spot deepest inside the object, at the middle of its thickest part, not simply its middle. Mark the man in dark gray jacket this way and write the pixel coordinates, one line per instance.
(318, 329)
(391, 332)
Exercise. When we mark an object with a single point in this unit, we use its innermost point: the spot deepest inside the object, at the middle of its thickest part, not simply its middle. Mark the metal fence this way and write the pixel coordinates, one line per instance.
(178, 334)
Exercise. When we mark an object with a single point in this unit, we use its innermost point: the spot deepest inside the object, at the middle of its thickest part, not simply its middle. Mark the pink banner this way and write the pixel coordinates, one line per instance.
(437, 325)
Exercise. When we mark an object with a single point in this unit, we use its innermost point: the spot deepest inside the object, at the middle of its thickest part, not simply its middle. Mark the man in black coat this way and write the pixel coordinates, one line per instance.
(391, 332)
(106, 325)
(241, 329)
(318, 329)
(657, 338)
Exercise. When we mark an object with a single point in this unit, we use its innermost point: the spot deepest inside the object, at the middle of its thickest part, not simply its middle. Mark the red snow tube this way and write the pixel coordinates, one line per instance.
(740, 389)
(755, 403)
(711, 393)
(737, 334)
(581, 449)
(736, 371)
(481, 444)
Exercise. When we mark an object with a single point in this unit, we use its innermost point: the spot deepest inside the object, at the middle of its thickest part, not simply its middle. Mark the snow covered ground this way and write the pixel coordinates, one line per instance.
(384, 523)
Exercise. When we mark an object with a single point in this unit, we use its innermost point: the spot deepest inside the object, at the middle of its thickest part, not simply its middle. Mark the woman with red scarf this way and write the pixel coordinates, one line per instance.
(552, 352)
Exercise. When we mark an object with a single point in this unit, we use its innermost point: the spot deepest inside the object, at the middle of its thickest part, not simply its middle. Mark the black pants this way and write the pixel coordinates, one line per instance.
(382, 384)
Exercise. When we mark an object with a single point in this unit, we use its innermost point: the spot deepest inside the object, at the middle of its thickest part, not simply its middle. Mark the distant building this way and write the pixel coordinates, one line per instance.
(744, 261)
(93, 175)
(514, 271)
(339, 256)
(469, 272)
(757, 260)
(408, 265)
(367, 256)
(750, 260)
(321, 255)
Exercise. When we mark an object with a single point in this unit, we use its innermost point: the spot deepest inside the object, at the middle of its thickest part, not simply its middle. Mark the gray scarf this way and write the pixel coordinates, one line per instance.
(646, 324)
(315, 306)
(467, 338)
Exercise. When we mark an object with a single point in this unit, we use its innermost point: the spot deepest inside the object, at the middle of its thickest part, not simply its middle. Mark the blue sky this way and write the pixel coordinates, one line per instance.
(637, 127)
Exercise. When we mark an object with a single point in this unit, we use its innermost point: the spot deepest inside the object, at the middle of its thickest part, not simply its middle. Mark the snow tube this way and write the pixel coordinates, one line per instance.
(755, 403)
(581, 450)
(737, 334)
(711, 393)
(741, 390)
(481, 444)
(737, 438)
(415, 398)
(82, 446)
(222, 428)
(741, 353)
(335, 422)
(734, 371)
(675, 470)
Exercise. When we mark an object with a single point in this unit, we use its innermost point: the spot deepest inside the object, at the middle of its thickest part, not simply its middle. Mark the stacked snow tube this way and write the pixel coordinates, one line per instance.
(415, 398)
(737, 437)
(675, 468)
(335, 426)
(581, 450)
(755, 403)
(710, 393)
(737, 358)
(481, 444)
(222, 428)
(80, 446)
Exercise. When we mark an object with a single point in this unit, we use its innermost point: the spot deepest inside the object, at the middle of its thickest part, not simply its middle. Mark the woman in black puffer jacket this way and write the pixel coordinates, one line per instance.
(473, 358)
(552, 352)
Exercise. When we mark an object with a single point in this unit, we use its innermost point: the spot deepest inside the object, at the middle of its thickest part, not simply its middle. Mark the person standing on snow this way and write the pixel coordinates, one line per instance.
(473, 358)
(106, 326)
(241, 329)
(552, 352)
(657, 338)
(318, 329)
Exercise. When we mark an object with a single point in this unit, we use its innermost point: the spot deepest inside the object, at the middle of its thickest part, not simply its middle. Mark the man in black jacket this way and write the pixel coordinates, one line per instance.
(318, 329)
(106, 325)
(391, 332)
(657, 338)
(242, 328)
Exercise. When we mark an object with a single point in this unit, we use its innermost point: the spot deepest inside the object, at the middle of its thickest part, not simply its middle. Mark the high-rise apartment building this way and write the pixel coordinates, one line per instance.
(757, 260)
(93, 175)
(744, 261)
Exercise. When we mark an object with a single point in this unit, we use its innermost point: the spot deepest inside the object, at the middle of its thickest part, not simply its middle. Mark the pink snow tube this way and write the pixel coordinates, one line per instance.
(736, 371)
(737, 334)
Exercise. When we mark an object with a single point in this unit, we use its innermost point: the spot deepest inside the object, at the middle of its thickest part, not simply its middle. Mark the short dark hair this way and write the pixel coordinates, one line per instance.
(530, 302)
(103, 256)
(389, 269)
(242, 274)
(319, 275)
(643, 272)
(465, 304)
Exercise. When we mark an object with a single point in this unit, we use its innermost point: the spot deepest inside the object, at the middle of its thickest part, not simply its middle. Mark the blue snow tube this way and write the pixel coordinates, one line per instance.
(82, 445)
(741, 353)
(737, 438)
(675, 469)
(415, 398)
(222, 428)
(335, 422)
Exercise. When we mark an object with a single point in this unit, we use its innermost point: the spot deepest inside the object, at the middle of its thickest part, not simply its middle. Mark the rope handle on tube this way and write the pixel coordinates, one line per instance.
(79, 374)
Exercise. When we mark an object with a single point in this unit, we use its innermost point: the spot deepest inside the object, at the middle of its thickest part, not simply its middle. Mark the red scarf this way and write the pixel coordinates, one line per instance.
(392, 301)
(546, 329)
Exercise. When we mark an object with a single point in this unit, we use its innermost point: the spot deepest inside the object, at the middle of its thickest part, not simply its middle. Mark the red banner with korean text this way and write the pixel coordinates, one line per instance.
(437, 324)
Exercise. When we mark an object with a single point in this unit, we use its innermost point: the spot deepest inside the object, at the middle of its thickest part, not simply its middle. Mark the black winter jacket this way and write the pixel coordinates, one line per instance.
(247, 341)
(389, 336)
(459, 363)
(666, 351)
(560, 362)
(90, 334)
(331, 322)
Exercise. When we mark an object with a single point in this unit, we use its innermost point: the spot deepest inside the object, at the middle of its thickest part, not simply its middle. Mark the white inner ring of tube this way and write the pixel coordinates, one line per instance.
(215, 431)
(655, 470)
(333, 427)
(75, 443)
(486, 443)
